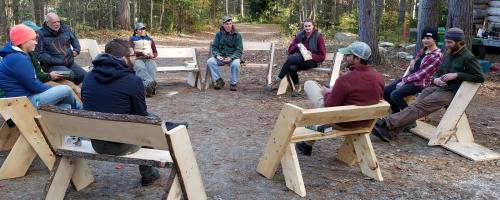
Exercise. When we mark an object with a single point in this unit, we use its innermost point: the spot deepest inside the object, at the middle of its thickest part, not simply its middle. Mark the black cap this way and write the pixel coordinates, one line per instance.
(430, 32)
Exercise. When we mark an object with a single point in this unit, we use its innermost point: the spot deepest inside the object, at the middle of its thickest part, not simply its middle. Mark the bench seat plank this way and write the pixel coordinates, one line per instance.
(305, 134)
(177, 69)
(150, 157)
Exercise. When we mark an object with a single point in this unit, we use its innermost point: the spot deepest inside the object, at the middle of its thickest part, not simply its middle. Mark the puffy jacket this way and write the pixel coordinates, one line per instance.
(227, 44)
(113, 88)
(54, 47)
(17, 74)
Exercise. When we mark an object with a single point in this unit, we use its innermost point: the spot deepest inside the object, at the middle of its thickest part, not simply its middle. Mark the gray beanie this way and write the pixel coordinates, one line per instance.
(455, 34)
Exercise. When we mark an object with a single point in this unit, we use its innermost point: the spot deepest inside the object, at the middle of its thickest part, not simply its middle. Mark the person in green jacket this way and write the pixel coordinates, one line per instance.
(459, 65)
(227, 48)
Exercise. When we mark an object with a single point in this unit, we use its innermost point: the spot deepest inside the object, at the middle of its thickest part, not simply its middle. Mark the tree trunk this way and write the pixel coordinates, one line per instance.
(151, 15)
(3, 23)
(38, 11)
(162, 13)
(111, 26)
(15, 11)
(401, 12)
(242, 4)
(428, 16)
(227, 7)
(460, 16)
(124, 14)
(368, 26)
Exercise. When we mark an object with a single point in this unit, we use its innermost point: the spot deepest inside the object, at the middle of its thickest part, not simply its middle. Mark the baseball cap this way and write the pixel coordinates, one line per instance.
(139, 25)
(226, 18)
(32, 25)
(359, 49)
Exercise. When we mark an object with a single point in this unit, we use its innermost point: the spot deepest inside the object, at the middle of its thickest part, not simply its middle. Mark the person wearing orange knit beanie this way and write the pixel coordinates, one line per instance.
(17, 77)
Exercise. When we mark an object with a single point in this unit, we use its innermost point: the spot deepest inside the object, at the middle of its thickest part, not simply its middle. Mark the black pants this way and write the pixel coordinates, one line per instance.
(395, 97)
(293, 64)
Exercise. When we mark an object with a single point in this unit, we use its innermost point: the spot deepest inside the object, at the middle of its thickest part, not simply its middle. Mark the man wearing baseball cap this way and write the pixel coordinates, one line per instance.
(361, 86)
(227, 48)
(458, 65)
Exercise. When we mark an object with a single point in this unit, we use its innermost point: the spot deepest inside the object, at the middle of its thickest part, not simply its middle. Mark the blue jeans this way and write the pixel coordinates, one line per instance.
(146, 70)
(61, 96)
(213, 65)
(395, 97)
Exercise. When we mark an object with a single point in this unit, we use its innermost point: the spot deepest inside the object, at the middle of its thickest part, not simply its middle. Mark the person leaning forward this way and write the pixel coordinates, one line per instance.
(458, 65)
(227, 48)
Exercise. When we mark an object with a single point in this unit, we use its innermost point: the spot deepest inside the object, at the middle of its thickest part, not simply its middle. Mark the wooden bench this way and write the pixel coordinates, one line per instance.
(289, 129)
(190, 63)
(22, 137)
(248, 46)
(454, 132)
(333, 70)
(90, 46)
(172, 149)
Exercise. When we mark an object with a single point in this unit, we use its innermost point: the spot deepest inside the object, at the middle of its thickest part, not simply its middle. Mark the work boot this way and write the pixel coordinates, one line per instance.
(219, 84)
(154, 85)
(296, 92)
(412, 125)
(303, 148)
(147, 181)
(380, 130)
(150, 89)
(233, 87)
(274, 85)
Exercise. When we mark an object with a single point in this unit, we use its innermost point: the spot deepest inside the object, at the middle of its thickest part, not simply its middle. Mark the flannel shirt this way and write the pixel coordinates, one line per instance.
(430, 64)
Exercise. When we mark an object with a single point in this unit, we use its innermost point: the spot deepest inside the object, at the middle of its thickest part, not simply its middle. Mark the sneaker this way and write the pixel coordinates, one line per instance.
(274, 85)
(172, 125)
(380, 130)
(150, 181)
(233, 87)
(303, 148)
(219, 84)
(296, 92)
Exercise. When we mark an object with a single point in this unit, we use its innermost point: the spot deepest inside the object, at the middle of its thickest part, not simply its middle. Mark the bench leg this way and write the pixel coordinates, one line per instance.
(366, 156)
(283, 86)
(82, 177)
(208, 79)
(199, 82)
(174, 192)
(291, 171)
(191, 79)
(346, 153)
(19, 159)
(60, 177)
(464, 132)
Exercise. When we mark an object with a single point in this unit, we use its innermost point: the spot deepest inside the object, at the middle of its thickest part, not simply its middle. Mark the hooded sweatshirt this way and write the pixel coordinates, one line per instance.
(113, 88)
(17, 74)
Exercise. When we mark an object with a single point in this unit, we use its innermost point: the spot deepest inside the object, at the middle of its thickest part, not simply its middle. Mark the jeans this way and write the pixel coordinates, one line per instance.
(213, 65)
(77, 75)
(146, 70)
(293, 64)
(61, 96)
(395, 97)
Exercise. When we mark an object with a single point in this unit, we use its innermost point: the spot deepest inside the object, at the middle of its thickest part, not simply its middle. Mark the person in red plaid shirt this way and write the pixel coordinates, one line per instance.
(422, 68)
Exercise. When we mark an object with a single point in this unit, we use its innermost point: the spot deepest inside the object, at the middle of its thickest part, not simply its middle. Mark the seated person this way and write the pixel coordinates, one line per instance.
(17, 77)
(113, 87)
(145, 51)
(313, 41)
(368, 89)
(54, 52)
(458, 65)
(425, 64)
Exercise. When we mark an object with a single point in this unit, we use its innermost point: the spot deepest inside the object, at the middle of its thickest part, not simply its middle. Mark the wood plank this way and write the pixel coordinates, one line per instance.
(366, 156)
(423, 130)
(322, 69)
(336, 68)
(19, 159)
(91, 46)
(279, 140)
(82, 176)
(304, 134)
(291, 171)
(8, 137)
(165, 52)
(175, 192)
(124, 132)
(271, 65)
(185, 162)
(339, 114)
(452, 115)
(283, 86)
(177, 69)
(257, 46)
(346, 153)
(464, 132)
(60, 179)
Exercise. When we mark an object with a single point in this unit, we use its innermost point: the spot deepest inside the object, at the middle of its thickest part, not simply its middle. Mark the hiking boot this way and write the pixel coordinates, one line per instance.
(275, 84)
(233, 87)
(154, 85)
(296, 92)
(380, 130)
(303, 148)
(412, 125)
(219, 84)
(151, 180)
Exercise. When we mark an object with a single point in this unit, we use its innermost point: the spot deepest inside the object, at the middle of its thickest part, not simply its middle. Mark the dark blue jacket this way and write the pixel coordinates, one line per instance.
(112, 88)
(54, 47)
(17, 74)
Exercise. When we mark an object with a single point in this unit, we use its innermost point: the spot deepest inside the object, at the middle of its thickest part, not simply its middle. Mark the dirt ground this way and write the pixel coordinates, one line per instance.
(229, 131)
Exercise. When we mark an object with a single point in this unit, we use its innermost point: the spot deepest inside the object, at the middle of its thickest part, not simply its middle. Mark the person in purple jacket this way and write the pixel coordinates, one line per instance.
(17, 74)
(313, 41)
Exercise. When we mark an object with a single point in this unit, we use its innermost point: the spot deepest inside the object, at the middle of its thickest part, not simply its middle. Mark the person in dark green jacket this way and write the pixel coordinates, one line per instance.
(459, 65)
(227, 48)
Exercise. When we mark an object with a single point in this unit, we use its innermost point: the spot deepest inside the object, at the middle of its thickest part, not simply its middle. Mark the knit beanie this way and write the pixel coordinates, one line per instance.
(430, 32)
(455, 34)
(19, 34)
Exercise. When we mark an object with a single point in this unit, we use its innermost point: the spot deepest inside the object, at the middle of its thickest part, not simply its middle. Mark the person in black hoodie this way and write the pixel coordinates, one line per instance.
(111, 87)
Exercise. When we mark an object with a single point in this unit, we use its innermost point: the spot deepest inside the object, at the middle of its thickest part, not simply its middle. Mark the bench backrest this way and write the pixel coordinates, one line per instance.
(256, 46)
(91, 46)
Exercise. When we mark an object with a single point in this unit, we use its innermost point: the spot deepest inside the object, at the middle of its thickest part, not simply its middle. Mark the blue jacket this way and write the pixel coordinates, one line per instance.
(54, 47)
(17, 74)
(113, 88)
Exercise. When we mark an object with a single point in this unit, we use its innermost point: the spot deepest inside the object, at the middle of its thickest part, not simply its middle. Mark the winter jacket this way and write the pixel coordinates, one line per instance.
(464, 64)
(113, 88)
(315, 43)
(17, 74)
(227, 44)
(143, 45)
(54, 47)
